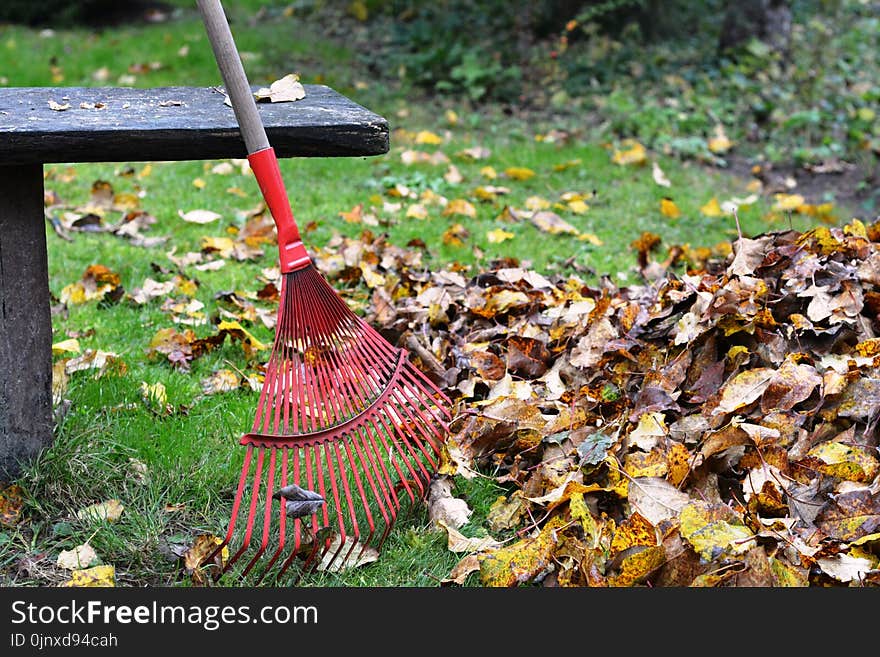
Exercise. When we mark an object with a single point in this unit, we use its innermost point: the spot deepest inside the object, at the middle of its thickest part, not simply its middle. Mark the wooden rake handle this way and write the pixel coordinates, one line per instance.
(293, 255)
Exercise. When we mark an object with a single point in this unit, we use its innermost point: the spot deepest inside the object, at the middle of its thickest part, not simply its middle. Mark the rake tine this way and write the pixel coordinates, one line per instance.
(281, 520)
(267, 514)
(357, 465)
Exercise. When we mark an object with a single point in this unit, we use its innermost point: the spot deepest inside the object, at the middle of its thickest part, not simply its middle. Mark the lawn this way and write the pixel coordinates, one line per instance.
(462, 183)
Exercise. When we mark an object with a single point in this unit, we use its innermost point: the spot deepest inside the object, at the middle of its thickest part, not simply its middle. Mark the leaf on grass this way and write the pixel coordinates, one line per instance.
(850, 516)
(80, 557)
(199, 216)
(346, 553)
(550, 222)
(287, 89)
(658, 175)
(11, 502)
(719, 142)
(520, 562)
(459, 573)
(715, 531)
(712, 208)
(95, 359)
(519, 173)
(460, 206)
(458, 542)
(194, 558)
(96, 576)
(427, 137)
(69, 346)
(444, 507)
(669, 209)
(499, 235)
(630, 153)
(111, 511)
(787, 202)
(151, 290)
(223, 380)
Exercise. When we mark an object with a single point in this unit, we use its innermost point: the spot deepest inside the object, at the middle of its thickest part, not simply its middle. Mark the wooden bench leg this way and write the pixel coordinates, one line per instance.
(25, 320)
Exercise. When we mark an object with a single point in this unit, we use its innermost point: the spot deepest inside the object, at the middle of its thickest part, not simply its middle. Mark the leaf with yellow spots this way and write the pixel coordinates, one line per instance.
(579, 510)
(519, 173)
(712, 208)
(637, 565)
(678, 461)
(96, 576)
(630, 153)
(427, 137)
(642, 464)
(506, 513)
(634, 531)
(521, 562)
(499, 235)
(669, 209)
(719, 142)
(786, 575)
(11, 502)
(222, 246)
(461, 207)
(715, 531)
(836, 459)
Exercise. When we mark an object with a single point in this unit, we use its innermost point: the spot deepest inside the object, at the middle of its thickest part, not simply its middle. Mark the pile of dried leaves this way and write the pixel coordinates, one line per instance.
(717, 427)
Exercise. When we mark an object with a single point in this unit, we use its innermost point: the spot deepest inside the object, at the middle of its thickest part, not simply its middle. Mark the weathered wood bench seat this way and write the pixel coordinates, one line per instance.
(117, 125)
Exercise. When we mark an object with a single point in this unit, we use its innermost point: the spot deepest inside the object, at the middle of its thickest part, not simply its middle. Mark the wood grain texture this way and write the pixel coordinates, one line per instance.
(175, 123)
(25, 322)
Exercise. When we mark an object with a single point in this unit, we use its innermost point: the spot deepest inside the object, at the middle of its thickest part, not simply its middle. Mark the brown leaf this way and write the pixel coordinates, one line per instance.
(527, 357)
(791, 384)
(459, 573)
(851, 515)
(11, 502)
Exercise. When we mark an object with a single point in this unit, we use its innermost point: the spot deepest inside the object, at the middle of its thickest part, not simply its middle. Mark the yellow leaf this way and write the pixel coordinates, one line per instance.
(154, 394)
(591, 238)
(416, 211)
(786, 575)
(358, 9)
(631, 153)
(488, 172)
(455, 235)
(755, 186)
(194, 558)
(451, 117)
(578, 207)
(111, 510)
(232, 327)
(562, 166)
(70, 346)
(220, 381)
(669, 209)
(426, 137)
(460, 206)
(519, 173)
(520, 562)
(638, 564)
(788, 202)
(712, 208)
(850, 462)
(715, 530)
(499, 235)
(96, 576)
(199, 183)
(719, 143)
(223, 246)
(537, 203)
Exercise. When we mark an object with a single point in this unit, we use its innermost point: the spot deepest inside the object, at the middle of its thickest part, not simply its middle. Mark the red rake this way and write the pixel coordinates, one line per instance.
(347, 429)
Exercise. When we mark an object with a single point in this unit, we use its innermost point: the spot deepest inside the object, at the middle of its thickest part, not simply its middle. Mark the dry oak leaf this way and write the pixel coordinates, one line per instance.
(96, 576)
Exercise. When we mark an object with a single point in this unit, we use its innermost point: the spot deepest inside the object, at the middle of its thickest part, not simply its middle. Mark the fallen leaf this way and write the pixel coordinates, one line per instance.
(287, 89)
(712, 208)
(458, 542)
(745, 388)
(550, 222)
(194, 558)
(460, 206)
(520, 562)
(630, 153)
(444, 507)
(80, 557)
(346, 553)
(850, 516)
(715, 531)
(656, 499)
(787, 202)
(58, 107)
(96, 576)
(519, 173)
(111, 511)
(506, 513)
(459, 573)
(11, 502)
(427, 137)
(223, 380)
(669, 209)
(850, 462)
(845, 567)
(69, 346)
(498, 236)
(199, 216)
(719, 142)
(658, 175)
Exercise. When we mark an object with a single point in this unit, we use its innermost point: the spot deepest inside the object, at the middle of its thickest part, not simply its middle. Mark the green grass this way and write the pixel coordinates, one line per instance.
(191, 455)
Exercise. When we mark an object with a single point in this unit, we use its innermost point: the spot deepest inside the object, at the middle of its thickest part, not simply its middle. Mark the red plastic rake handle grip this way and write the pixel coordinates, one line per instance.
(293, 254)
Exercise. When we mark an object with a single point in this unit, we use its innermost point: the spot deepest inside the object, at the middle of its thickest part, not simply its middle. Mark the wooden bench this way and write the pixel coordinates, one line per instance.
(117, 125)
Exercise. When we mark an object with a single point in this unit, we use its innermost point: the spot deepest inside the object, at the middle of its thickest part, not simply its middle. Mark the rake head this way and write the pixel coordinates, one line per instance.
(346, 432)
